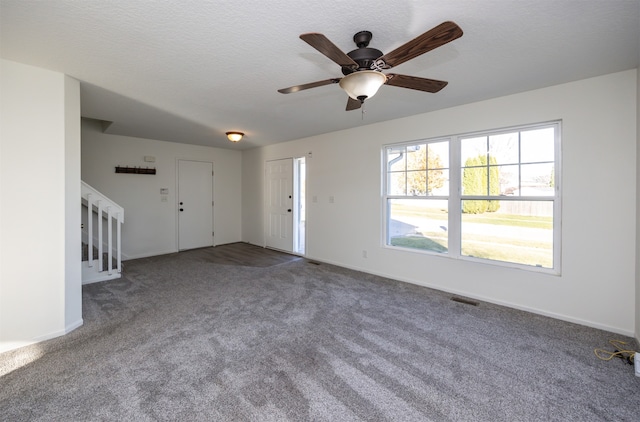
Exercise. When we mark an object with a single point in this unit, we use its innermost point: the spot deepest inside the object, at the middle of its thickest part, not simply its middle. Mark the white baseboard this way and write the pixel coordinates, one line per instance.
(13, 345)
(126, 257)
(76, 324)
(562, 317)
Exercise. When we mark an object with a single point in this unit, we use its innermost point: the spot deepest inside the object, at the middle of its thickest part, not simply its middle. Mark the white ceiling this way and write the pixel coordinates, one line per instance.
(190, 70)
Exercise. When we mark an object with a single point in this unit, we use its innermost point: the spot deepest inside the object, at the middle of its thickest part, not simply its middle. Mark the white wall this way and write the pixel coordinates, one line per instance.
(150, 224)
(39, 183)
(597, 285)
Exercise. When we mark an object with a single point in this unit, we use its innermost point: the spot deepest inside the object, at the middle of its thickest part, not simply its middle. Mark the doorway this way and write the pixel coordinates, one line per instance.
(280, 205)
(286, 213)
(299, 205)
(195, 204)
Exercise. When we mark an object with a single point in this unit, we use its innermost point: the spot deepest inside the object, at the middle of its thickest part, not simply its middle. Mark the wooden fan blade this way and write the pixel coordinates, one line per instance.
(413, 82)
(434, 38)
(353, 104)
(329, 49)
(309, 85)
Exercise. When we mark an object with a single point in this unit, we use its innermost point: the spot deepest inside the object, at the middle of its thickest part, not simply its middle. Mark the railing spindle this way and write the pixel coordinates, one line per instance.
(119, 243)
(90, 229)
(110, 240)
(100, 230)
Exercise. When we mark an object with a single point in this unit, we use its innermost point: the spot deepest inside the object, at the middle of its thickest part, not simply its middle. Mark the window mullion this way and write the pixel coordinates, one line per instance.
(455, 191)
(520, 160)
(557, 203)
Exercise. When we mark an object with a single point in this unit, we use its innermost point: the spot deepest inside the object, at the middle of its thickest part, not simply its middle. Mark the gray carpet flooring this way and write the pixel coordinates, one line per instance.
(240, 333)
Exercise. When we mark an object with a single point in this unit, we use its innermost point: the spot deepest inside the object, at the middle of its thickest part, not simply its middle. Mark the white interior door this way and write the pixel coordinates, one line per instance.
(195, 204)
(280, 204)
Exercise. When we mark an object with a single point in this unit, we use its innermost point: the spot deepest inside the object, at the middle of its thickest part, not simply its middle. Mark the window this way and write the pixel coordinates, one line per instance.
(483, 196)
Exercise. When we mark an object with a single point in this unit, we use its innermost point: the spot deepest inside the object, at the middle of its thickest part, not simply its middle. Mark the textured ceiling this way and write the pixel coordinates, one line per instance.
(190, 70)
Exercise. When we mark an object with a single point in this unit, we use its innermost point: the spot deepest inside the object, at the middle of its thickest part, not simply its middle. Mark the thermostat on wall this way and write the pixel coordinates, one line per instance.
(164, 191)
(149, 159)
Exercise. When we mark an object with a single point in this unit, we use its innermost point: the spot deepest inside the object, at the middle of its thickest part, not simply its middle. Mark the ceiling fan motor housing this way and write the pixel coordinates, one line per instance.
(362, 55)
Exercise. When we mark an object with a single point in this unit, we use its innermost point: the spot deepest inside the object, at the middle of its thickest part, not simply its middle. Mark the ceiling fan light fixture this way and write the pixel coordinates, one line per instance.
(363, 84)
(235, 136)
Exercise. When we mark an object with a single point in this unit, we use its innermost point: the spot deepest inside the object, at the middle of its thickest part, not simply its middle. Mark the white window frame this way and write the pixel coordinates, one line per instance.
(455, 197)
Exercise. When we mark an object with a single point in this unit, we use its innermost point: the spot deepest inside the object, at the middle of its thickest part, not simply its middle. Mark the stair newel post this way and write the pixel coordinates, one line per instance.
(119, 242)
(100, 241)
(90, 229)
(110, 240)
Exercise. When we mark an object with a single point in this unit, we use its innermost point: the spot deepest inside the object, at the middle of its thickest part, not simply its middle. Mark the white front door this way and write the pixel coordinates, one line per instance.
(280, 204)
(195, 204)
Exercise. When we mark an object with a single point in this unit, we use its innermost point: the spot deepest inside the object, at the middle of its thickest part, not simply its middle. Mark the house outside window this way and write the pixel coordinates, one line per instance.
(491, 196)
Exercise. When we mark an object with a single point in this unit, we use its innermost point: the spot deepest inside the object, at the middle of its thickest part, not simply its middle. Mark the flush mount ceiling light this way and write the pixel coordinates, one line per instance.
(235, 136)
(362, 84)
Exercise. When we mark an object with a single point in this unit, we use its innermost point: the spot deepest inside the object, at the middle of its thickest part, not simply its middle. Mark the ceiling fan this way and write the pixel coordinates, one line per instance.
(363, 66)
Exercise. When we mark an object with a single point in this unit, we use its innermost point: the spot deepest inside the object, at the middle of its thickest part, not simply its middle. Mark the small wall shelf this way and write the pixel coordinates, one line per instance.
(135, 170)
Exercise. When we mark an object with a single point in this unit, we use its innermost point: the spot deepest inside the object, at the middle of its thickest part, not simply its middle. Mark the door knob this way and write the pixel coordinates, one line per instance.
(181, 209)
(180, 203)
(289, 210)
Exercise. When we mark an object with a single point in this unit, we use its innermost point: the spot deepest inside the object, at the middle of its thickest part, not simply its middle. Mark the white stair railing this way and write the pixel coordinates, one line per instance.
(101, 210)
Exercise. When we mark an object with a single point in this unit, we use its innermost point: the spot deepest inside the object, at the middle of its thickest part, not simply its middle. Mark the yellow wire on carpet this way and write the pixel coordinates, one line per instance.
(620, 352)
